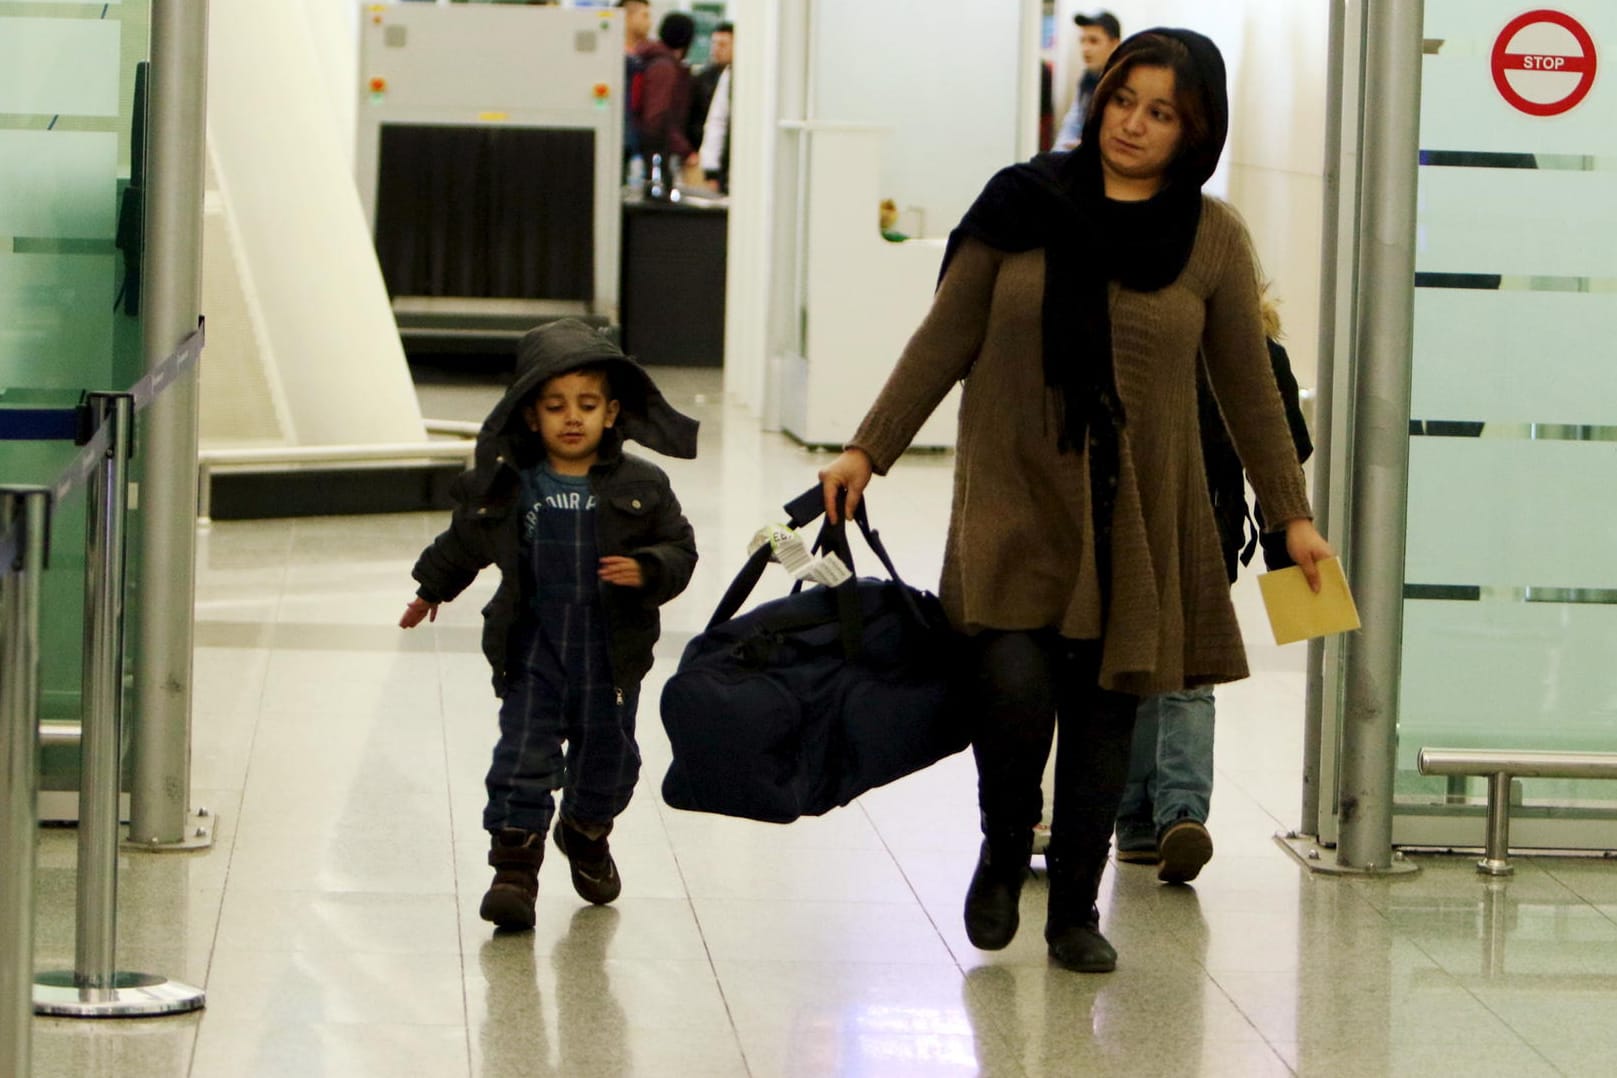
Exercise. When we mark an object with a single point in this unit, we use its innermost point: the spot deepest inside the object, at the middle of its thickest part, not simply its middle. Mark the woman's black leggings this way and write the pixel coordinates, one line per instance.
(1024, 683)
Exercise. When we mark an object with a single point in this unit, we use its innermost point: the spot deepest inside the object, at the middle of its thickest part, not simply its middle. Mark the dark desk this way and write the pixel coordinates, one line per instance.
(671, 294)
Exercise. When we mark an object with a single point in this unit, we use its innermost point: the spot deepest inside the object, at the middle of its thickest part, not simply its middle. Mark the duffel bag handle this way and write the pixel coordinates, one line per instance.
(800, 512)
(811, 504)
(834, 537)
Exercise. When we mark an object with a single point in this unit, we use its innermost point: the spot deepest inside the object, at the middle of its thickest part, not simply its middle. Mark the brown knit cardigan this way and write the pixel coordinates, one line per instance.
(1019, 553)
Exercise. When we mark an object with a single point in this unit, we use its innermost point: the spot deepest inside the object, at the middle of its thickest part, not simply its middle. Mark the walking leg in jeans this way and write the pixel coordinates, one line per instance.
(1136, 826)
(1184, 783)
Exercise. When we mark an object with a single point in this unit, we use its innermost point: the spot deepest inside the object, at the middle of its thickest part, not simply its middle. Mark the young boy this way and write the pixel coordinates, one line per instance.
(589, 541)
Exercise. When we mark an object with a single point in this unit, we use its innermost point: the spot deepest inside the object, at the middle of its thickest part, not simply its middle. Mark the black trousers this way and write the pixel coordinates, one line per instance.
(1025, 683)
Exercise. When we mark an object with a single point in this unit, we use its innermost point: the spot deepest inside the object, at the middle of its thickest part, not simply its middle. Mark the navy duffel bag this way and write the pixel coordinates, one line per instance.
(805, 702)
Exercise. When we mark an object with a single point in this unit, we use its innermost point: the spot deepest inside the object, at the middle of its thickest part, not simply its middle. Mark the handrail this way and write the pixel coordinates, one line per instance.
(1519, 763)
(1499, 766)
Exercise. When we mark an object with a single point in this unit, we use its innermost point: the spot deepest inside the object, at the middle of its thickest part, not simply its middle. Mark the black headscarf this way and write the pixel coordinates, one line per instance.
(1057, 202)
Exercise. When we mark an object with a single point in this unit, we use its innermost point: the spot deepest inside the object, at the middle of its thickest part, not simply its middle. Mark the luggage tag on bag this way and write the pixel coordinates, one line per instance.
(790, 550)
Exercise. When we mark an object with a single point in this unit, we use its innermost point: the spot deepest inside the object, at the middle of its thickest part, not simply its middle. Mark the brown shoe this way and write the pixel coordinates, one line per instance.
(595, 874)
(1184, 848)
(515, 856)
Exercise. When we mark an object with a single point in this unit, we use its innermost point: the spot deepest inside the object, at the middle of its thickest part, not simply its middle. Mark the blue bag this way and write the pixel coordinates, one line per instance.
(807, 701)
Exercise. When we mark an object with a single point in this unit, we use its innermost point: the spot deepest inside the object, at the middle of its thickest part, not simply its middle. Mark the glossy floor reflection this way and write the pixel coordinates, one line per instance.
(334, 922)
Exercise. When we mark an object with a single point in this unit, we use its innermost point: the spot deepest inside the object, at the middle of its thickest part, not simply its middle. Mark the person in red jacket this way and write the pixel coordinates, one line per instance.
(663, 103)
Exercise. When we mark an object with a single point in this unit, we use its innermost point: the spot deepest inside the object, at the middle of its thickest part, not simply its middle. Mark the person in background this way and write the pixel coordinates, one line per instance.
(705, 83)
(714, 154)
(665, 98)
(636, 29)
(1163, 816)
(1078, 299)
(1099, 34)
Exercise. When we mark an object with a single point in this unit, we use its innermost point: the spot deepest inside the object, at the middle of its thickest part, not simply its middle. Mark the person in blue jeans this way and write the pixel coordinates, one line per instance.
(589, 541)
(1162, 819)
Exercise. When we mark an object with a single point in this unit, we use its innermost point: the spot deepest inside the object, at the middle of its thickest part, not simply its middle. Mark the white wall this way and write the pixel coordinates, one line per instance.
(945, 77)
(328, 336)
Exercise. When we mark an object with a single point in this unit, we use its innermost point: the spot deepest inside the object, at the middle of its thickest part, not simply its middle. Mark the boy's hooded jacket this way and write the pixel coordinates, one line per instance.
(636, 514)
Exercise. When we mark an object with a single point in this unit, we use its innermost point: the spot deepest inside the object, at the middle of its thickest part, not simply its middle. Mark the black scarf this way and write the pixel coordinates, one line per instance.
(1057, 202)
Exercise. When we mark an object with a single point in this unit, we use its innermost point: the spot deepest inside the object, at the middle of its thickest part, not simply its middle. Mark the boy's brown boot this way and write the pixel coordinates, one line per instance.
(595, 875)
(515, 856)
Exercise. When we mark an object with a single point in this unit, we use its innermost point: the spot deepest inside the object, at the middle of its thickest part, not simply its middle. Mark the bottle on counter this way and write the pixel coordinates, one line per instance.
(657, 181)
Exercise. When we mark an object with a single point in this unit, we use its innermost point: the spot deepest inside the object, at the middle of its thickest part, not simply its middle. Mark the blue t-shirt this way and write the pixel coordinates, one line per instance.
(558, 539)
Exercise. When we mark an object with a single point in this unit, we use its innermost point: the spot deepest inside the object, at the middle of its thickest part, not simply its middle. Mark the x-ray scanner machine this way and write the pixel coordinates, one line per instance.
(489, 162)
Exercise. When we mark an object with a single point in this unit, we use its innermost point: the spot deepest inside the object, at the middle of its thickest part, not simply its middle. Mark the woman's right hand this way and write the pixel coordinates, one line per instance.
(850, 472)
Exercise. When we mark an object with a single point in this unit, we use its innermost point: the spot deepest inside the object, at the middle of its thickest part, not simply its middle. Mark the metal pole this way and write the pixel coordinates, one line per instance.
(100, 775)
(95, 988)
(1325, 374)
(23, 511)
(1384, 316)
(160, 792)
(1496, 857)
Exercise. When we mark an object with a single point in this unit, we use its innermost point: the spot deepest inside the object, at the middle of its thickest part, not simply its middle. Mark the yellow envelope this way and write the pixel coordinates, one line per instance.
(1296, 613)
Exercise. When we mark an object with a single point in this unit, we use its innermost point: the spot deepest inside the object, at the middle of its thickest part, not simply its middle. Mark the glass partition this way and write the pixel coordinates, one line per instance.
(67, 79)
(1510, 612)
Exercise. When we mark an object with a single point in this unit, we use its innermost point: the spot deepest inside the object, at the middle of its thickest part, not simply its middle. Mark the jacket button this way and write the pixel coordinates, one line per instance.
(481, 510)
(499, 460)
(635, 504)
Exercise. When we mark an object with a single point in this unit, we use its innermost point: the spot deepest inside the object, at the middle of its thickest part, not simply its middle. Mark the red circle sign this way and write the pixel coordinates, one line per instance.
(1552, 77)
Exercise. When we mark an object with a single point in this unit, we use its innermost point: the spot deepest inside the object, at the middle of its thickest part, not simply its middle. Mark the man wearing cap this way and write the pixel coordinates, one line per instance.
(1099, 34)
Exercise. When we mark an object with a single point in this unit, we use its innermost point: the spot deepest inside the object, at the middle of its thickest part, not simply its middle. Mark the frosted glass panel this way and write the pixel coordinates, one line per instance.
(59, 67)
(1517, 221)
(1510, 614)
(1509, 675)
(67, 74)
(1514, 514)
(1515, 356)
(1462, 108)
(58, 183)
(55, 320)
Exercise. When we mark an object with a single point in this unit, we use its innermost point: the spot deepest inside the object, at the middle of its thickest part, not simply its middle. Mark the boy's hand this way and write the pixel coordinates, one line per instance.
(419, 608)
(624, 572)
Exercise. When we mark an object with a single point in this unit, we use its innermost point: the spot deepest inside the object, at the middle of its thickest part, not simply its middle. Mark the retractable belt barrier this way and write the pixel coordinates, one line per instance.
(103, 424)
(75, 425)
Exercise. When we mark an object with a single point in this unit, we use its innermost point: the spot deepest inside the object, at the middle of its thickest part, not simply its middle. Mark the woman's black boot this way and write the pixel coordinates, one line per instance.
(1072, 926)
(993, 898)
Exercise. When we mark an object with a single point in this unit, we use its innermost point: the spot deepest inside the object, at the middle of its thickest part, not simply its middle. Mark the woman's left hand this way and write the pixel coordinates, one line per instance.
(1307, 548)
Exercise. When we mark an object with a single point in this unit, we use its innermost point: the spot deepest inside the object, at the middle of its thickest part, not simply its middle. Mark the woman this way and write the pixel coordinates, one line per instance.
(1082, 559)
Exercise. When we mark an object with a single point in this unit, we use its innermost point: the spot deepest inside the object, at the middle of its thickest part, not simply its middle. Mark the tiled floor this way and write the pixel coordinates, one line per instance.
(334, 922)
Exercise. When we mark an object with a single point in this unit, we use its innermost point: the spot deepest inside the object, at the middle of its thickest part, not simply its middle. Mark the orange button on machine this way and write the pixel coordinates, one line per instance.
(378, 85)
(602, 91)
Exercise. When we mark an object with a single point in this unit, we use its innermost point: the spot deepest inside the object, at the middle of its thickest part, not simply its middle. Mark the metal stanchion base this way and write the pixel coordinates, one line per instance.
(1322, 859)
(135, 995)
(198, 835)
